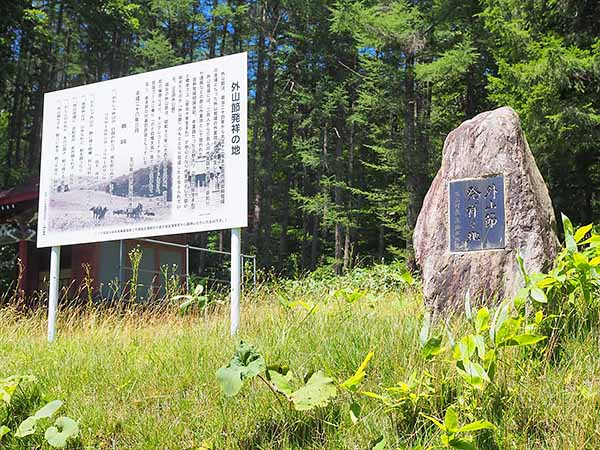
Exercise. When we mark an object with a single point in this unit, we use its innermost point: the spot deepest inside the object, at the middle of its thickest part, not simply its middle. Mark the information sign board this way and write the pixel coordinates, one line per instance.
(162, 152)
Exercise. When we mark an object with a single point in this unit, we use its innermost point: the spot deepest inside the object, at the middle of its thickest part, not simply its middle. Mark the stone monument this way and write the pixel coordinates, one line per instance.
(487, 201)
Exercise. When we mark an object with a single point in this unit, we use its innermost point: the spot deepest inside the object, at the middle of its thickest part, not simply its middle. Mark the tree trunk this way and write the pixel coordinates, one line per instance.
(285, 207)
(224, 34)
(212, 39)
(305, 242)
(337, 192)
(381, 243)
(253, 157)
(348, 235)
(416, 144)
(314, 246)
(347, 249)
(267, 161)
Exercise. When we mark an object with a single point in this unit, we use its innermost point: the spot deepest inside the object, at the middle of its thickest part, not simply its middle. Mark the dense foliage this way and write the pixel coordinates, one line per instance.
(350, 100)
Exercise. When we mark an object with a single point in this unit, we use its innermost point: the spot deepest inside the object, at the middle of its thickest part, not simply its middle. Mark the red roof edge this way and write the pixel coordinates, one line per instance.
(21, 193)
(18, 198)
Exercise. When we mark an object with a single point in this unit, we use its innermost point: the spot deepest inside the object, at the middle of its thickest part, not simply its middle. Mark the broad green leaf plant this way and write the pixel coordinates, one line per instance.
(315, 390)
(246, 364)
(57, 435)
(194, 299)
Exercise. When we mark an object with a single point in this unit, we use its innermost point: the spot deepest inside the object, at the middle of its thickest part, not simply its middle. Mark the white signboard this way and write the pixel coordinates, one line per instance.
(158, 153)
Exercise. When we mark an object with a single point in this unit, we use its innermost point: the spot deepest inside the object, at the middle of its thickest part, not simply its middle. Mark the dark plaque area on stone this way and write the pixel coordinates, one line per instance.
(476, 214)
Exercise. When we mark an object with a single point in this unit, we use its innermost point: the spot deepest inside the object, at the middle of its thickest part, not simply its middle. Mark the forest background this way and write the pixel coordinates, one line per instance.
(350, 101)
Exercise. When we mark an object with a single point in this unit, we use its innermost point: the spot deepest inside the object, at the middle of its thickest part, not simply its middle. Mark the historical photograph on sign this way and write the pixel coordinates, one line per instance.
(162, 152)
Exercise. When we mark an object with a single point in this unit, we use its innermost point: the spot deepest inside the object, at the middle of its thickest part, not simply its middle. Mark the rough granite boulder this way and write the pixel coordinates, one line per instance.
(490, 144)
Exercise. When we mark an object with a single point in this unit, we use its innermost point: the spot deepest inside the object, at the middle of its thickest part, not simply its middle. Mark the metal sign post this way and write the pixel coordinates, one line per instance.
(236, 251)
(53, 292)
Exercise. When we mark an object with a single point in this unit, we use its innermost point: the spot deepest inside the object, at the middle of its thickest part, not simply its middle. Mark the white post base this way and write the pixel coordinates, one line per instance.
(236, 251)
(53, 292)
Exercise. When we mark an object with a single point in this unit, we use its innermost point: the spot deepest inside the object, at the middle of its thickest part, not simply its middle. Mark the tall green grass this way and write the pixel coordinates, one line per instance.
(144, 378)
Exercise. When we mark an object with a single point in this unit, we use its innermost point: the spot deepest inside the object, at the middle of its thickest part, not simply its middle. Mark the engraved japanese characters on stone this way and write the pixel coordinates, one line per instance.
(476, 214)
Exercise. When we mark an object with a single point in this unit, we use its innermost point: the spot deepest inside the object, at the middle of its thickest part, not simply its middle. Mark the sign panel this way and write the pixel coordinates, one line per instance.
(476, 214)
(158, 153)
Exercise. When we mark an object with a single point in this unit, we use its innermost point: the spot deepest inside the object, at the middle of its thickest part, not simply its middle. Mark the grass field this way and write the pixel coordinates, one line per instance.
(145, 379)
